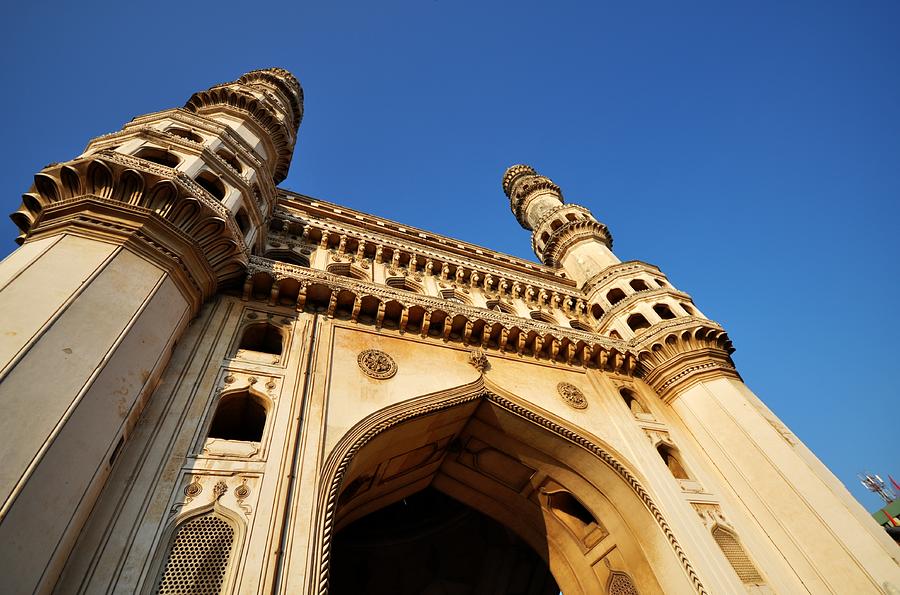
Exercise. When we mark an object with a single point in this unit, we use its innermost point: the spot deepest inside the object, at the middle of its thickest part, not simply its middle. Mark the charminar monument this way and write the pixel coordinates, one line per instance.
(211, 384)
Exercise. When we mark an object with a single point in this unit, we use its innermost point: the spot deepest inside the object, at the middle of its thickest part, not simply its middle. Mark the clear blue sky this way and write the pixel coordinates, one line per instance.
(750, 151)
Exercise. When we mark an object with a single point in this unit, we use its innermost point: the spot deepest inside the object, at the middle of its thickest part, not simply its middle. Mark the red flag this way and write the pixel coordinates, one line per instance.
(894, 483)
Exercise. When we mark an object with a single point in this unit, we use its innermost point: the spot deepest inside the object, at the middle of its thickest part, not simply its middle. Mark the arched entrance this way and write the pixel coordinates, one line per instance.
(431, 544)
(563, 494)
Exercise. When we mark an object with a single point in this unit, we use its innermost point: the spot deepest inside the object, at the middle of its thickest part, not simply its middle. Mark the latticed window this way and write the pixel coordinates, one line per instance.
(620, 584)
(736, 556)
(198, 557)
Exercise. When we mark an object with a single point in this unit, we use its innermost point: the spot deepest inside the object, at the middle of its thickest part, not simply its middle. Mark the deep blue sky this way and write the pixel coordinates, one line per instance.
(750, 151)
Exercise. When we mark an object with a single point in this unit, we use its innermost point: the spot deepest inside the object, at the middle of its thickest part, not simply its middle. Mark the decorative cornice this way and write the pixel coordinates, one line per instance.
(516, 335)
(675, 355)
(569, 234)
(320, 210)
(200, 232)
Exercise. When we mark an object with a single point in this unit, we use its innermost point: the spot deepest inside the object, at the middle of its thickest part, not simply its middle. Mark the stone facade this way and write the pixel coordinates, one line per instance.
(208, 380)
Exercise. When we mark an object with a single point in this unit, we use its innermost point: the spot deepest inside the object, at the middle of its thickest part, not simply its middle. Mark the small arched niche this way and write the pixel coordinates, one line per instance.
(615, 295)
(229, 159)
(261, 341)
(664, 311)
(212, 184)
(672, 460)
(239, 416)
(639, 285)
(243, 221)
(185, 134)
(634, 404)
(576, 518)
(158, 156)
(637, 322)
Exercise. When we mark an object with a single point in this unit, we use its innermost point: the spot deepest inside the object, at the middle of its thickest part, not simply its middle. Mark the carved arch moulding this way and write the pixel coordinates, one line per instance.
(356, 438)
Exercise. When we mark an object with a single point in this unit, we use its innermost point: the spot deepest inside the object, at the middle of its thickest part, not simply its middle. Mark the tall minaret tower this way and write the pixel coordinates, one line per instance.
(120, 247)
(776, 484)
(562, 235)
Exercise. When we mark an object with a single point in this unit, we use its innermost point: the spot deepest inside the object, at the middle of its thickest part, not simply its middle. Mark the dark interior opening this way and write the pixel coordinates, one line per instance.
(429, 543)
(239, 416)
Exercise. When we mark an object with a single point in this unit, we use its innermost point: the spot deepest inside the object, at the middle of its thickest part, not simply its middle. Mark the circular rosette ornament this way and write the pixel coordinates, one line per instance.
(376, 364)
(572, 395)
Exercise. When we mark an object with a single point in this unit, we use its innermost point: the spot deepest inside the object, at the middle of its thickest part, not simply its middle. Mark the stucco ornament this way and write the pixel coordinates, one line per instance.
(376, 364)
(479, 360)
(572, 395)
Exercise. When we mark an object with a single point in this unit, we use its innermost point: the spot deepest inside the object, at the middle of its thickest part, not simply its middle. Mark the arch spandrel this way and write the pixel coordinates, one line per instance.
(492, 451)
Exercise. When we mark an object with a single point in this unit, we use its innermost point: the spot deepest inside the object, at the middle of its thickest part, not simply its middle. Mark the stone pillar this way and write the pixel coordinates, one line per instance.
(563, 235)
(120, 248)
(830, 543)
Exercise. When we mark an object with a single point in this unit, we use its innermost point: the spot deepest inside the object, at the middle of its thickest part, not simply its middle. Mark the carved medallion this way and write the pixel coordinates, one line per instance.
(479, 360)
(572, 395)
(376, 364)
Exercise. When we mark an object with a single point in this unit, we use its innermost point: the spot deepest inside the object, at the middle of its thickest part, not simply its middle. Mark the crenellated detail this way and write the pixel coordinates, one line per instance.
(675, 355)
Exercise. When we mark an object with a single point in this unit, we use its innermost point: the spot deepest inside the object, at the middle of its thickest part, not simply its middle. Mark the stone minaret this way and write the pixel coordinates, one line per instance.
(811, 520)
(562, 235)
(120, 247)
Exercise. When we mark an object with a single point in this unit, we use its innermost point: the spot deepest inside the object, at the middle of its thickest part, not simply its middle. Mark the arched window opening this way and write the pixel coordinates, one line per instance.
(186, 134)
(614, 296)
(243, 220)
(555, 224)
(671, 460)
(614, 334)
(198, 556)
(637, 322)
(544, 237)
(736, 556)
(687, 308)
(638, 285)
(158, 156)
(660, 282)
(229, 159)
(212, 184)
(263, 337)
(596, 311)
(571, 216)
(576, 518)
(239, 416)
(663, 311)
(637, 409)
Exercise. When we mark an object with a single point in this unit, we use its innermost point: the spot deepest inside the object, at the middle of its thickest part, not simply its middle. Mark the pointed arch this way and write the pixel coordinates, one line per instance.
(207, 553)
(623, 484)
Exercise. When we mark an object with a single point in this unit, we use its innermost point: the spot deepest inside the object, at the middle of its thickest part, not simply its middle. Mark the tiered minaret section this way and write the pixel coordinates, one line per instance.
(563, 235)
(120, 247)
(631, 301)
